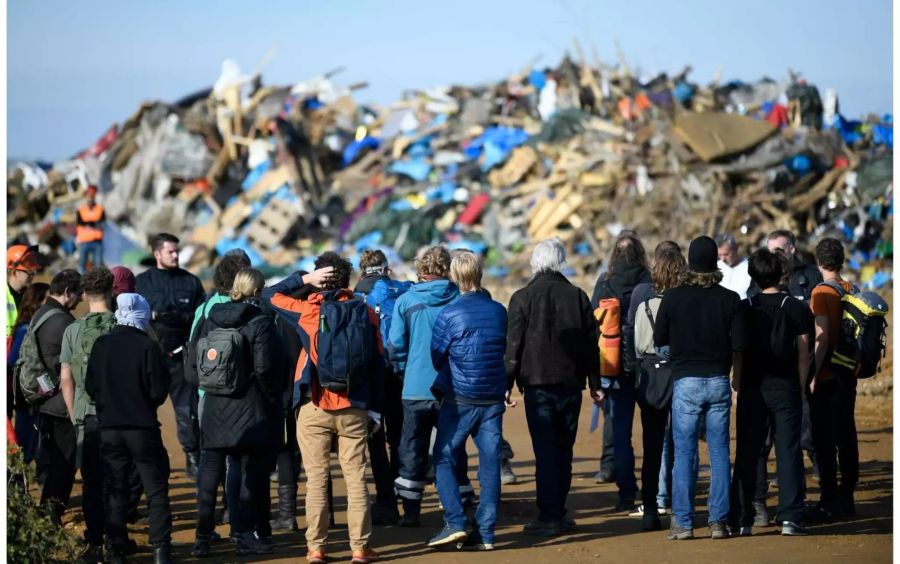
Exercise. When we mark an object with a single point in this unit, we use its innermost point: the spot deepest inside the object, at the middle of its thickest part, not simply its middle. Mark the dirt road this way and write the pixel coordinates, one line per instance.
(602, 534)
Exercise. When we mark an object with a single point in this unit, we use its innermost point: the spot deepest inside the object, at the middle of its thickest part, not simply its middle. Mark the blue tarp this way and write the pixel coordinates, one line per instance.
(254, 175)
(417, 169)
(495, 143)
(352, 151)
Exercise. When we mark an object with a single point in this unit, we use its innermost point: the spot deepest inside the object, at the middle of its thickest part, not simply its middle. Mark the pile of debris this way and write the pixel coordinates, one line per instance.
(579, 152)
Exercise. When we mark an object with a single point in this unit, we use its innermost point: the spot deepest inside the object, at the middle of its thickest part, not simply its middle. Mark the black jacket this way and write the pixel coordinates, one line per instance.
(249, 417)
(620, 284)
(552, 337)
(127, 378)
(49, 338)
(367, 282)
(174, 296)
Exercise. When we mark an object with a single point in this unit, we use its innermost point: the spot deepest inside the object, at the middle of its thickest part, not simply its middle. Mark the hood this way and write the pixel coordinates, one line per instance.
(233, 314)
(366, 283)
(627, 275)
(436, 292)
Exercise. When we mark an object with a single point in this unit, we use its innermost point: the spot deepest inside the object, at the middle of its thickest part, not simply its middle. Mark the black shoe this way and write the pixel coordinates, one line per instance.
(762, 518)
(247, 543)
(114, 556)
(567, 525)
(201, 548)
(542, 529)
(287, 510)
(409, 520)
(162, 554)
(191, 465)
(650, 522)
(605, 477)
(93, 554)
(385, 515)
(626, 506)
(846, 507)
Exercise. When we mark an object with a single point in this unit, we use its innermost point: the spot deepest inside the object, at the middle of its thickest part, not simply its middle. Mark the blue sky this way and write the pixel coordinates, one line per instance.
(74, 68)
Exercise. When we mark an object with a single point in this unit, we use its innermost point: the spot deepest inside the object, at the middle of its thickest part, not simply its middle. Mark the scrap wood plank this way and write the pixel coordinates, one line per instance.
(269, 182)
(235, 214)
(545, 205)
(560, 214)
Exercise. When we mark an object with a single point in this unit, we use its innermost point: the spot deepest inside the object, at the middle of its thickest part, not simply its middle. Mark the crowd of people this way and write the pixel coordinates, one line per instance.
(400, 375)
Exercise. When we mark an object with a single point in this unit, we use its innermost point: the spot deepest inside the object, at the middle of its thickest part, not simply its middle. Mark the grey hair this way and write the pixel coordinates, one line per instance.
(725, 239)
(548, 256)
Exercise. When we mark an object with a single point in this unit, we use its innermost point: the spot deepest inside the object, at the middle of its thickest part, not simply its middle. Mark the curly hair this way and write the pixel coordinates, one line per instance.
(669, 269)
(98, 282)
(435, 261)
(340, 277)
(703, 280)
(830, 254)
(226, 270)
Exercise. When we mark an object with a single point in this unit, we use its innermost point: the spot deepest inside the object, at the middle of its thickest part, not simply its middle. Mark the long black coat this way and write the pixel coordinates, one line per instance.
(250, 417)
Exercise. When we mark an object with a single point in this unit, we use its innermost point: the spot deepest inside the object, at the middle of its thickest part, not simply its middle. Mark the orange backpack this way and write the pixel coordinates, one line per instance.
(609, 320)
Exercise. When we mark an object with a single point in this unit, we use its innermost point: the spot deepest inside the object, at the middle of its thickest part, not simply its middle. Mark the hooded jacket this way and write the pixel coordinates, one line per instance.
(248, 418)
(621, 283)
(409, 341)
(467, 347)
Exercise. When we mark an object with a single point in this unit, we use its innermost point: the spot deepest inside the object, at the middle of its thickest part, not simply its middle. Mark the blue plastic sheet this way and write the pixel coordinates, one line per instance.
(683, 92)
(495, 144)
(799, 164)
(883, 134)
(848, 129)
(240, 242)
(537, 79)
(418, 170)
(254, 175)
(352, 151)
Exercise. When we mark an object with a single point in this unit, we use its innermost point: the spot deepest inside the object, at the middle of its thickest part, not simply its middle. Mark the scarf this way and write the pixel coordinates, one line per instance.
(133, 311)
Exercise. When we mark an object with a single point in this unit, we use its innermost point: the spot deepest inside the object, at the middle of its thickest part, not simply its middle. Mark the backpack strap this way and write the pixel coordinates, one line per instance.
(649, 313)
(834, 286)
(34, 329)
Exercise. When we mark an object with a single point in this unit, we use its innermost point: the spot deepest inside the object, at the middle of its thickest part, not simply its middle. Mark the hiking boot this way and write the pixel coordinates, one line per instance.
(677, 533)
(93, 554)
(201, 547)
(316, 557)
(162, 554)
(247, 543)
(718, 530)
(364, 556)
(651, 522)
(762, 518)
(385, 515)
(568, 525)
(448, 536)
(846, 507)
(791, 529)
(605, 477)
(539, 528)
(191, 465)
(507, 476)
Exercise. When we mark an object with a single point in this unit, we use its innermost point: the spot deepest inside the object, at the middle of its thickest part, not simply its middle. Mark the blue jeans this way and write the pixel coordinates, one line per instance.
(92, 250)
(621, 406)
(552, 415)
(484, 423)
(664, 496)
(694, 398)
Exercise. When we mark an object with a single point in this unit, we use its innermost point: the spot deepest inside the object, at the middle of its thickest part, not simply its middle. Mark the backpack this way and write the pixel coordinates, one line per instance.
(91, 328)
(862, 338)
(609, 320)
(782, 344)
(221, 361)
(655, 381)
(345, 343)
(35, 378)
(382, 299)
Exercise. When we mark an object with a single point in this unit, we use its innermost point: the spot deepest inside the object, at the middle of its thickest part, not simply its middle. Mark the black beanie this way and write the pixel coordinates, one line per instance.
(703, 255)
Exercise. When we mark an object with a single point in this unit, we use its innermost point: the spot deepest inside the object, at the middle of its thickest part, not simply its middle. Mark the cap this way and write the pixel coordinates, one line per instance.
(24, 257)
(703, 255)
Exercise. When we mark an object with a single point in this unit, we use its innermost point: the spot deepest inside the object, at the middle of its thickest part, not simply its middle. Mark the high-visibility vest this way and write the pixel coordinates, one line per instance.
(88, 233)
(12, 312)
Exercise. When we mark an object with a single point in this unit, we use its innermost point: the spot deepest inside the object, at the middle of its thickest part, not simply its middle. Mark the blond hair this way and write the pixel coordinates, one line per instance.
(248, 283)
(435, 261)
(466, 271)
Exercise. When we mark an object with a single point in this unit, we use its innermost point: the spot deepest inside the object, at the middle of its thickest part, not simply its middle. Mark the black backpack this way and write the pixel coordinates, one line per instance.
(345, 343)
(782, 343)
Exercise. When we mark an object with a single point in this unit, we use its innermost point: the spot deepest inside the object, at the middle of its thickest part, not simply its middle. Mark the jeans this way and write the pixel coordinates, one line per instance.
(773, 404)
(58, 442)
(385, 468)
(664, 495)
(27, 432)
(144, 448)
(832, 412)
(608, 457)
(622, 413)
(695, 398)
(253, 472)
(552, 415)
(419, 418)
(184, 401)
(654, 422)
(92, 250)
(484, 423)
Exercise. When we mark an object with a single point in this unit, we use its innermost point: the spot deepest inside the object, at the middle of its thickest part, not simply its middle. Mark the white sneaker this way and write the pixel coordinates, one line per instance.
(639, 512)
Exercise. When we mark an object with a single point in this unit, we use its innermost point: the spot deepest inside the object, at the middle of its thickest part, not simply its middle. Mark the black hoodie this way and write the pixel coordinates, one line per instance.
(620, 283)
(367, 282)
(250, 417)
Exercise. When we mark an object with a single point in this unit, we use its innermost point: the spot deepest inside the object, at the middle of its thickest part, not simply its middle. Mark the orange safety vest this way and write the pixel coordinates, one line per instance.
(88, 233)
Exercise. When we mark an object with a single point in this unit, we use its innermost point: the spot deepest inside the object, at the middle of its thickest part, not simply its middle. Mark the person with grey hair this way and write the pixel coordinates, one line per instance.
(551, 352)
(735, 275)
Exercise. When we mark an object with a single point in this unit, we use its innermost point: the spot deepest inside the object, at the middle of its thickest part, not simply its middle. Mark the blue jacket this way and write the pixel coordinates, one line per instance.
(467, 348)
(409, 341)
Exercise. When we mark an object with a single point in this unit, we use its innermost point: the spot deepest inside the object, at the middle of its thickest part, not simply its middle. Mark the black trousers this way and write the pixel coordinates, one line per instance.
(386, 469)
(607, 458)
(778, 401)
(184, 401)
(832, 411)
(287, 460)
(93, 498)
(653, 423)
(120, 449)
(806, 443)
(254, 469)
(58, 444)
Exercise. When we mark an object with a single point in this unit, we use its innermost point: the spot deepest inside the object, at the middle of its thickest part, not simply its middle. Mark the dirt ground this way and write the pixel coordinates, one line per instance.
(602, 533)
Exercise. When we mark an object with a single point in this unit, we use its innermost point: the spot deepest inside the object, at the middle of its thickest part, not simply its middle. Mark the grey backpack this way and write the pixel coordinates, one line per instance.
(221, 362)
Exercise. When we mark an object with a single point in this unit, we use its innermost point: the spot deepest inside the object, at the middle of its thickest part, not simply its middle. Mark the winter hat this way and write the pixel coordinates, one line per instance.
(703, 255)
(133, 310)
(123, 280)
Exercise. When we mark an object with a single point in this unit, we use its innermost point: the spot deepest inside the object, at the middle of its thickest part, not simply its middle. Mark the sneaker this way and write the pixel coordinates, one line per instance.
(364, 556)
(718, 530)
(409, 521)
(745, 531)
(762, 518)
(475, 542)
(677, 533)
(605, 477)
(247, 543)
(316, 557)
(384, 515)
(791, 529)
(542, 529)
(507, 476)
(568, 525)
(484, 546)
(639, 512)
(448, 536)
(201, 548)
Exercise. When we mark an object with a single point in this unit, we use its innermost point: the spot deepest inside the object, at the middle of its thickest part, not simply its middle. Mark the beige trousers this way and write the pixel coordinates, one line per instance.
(315, 429)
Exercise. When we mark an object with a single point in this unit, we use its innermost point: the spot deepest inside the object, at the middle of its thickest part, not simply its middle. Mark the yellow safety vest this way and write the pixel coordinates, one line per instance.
(11, 312)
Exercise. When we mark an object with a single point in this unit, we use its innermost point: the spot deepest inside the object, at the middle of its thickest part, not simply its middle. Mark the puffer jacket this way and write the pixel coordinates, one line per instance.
(467, 347)
(250, 417)
(409, 341)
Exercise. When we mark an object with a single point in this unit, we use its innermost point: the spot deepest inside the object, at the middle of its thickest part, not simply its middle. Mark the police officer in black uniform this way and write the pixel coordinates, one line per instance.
(174, 295)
